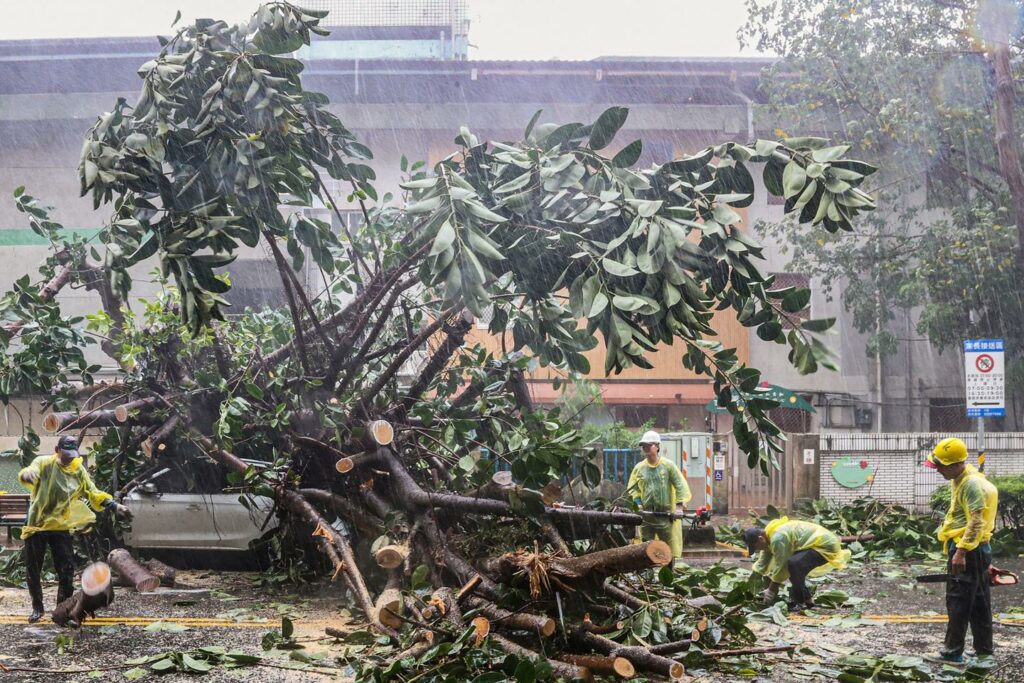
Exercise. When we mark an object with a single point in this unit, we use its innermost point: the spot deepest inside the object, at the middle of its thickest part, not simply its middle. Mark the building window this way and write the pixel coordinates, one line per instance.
(785, 280)
(948, 415)
(635, 417)
(791, 421)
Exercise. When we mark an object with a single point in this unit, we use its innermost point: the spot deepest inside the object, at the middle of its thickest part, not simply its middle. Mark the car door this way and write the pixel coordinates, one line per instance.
(165, 514)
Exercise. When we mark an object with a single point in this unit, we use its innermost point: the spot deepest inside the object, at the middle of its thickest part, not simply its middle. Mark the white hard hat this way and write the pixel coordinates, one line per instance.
(650, 437)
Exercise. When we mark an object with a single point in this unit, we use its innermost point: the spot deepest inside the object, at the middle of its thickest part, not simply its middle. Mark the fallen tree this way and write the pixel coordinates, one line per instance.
(375, 421)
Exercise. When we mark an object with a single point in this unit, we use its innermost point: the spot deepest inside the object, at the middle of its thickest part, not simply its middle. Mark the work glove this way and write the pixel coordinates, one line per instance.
(770, 593)
(30, 477)
(123, 511)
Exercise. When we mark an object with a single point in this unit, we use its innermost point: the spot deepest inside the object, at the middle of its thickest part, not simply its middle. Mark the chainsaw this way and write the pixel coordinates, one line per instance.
(996, 577)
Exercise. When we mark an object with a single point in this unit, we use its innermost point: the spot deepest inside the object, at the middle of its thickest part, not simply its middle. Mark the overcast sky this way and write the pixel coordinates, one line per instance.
(499, 29)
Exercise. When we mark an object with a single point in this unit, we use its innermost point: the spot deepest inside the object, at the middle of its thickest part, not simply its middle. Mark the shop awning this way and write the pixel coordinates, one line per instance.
(635, 393)
(786, 398)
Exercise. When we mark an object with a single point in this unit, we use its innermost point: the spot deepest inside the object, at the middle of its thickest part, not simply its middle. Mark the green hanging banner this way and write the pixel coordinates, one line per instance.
(785, 397)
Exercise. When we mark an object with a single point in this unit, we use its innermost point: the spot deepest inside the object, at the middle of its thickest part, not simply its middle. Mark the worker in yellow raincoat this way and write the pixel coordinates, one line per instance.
(57, 483)
(965, 533)
(794, 550)
(657, 486)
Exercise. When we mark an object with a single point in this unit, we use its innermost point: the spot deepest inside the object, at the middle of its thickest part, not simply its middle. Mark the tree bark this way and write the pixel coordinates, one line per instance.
(123, 412)
(60, 278)
(1006, 139)
(129, 569)
(641, 658)
(542, 625)
(388, 606)
(592, 567)
(97, 592)
(602, 664)
(561, 669)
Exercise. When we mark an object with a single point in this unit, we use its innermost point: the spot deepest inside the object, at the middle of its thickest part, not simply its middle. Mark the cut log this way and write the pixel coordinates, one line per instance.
(124, 411)
(381, 431)
(134, 573)
(592, 567)
(673, 647)
(602, 664)
(389, 605)
(59, 422)
(157, 443)
(481, 627)
(96, 593)
(350, 462)
(560, 668)
(390, 556)
(520, 621)
(641, 658)
(165, 573)
(857, 538)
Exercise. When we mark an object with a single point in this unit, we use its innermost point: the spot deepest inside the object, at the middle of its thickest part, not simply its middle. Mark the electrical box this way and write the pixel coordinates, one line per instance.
(691, 452)
(863, 417)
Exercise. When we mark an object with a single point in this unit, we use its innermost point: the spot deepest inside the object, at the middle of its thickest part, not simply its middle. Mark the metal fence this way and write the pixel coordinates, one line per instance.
(450, 13)
(617, 464)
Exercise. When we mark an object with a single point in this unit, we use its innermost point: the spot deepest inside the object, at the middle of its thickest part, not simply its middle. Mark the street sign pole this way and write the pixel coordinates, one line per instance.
(984, 373)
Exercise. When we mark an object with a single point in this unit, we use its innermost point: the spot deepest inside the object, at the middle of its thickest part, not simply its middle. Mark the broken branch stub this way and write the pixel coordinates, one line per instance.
(96, 593)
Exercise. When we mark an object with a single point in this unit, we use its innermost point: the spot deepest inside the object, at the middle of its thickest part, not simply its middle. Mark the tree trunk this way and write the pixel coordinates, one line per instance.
(592, 567)
(129, 569)
(96, 593)
(1006, 140)
(165, 573)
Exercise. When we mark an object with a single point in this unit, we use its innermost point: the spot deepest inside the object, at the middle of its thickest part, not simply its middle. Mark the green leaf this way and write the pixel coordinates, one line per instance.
(444, 239)
(618, 269)
(134, 674)
(162, 665)
(531, 124)
(830, 153)
(793, 179)
(796, 300)
(194, 665)
(818, 324)
(628, 155)
(606, 126)
(419, 577)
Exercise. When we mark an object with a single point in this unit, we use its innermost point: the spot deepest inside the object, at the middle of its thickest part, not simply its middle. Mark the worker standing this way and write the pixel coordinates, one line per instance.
(57, 483)
(794, 550)
(657, 486)
(965, 533)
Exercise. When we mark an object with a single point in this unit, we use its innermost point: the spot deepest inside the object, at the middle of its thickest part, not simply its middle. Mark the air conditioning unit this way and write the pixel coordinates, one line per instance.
(863, 417)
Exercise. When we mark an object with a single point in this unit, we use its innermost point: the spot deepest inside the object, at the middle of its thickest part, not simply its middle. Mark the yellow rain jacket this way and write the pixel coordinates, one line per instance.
(56, 503)
(658, 488)
(972, 511)
(786, 538)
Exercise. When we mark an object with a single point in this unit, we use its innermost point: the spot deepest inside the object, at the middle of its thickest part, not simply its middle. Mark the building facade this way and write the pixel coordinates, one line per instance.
(405, 89)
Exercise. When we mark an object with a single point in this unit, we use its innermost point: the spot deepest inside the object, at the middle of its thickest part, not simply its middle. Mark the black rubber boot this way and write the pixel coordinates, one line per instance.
(37, 614)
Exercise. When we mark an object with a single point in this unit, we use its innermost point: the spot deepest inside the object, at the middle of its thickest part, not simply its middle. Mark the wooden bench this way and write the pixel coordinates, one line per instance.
(13, 511)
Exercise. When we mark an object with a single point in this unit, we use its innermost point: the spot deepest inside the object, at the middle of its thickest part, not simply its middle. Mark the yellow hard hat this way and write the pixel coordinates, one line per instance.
(948, 452)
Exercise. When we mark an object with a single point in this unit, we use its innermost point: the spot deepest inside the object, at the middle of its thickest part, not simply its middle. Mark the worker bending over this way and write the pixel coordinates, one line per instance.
(57, 483)
(657, 486)
(794, 550)
(965, 533)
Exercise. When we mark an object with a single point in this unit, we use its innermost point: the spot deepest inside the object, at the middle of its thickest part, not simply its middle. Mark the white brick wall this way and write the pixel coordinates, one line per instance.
(897, 460)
